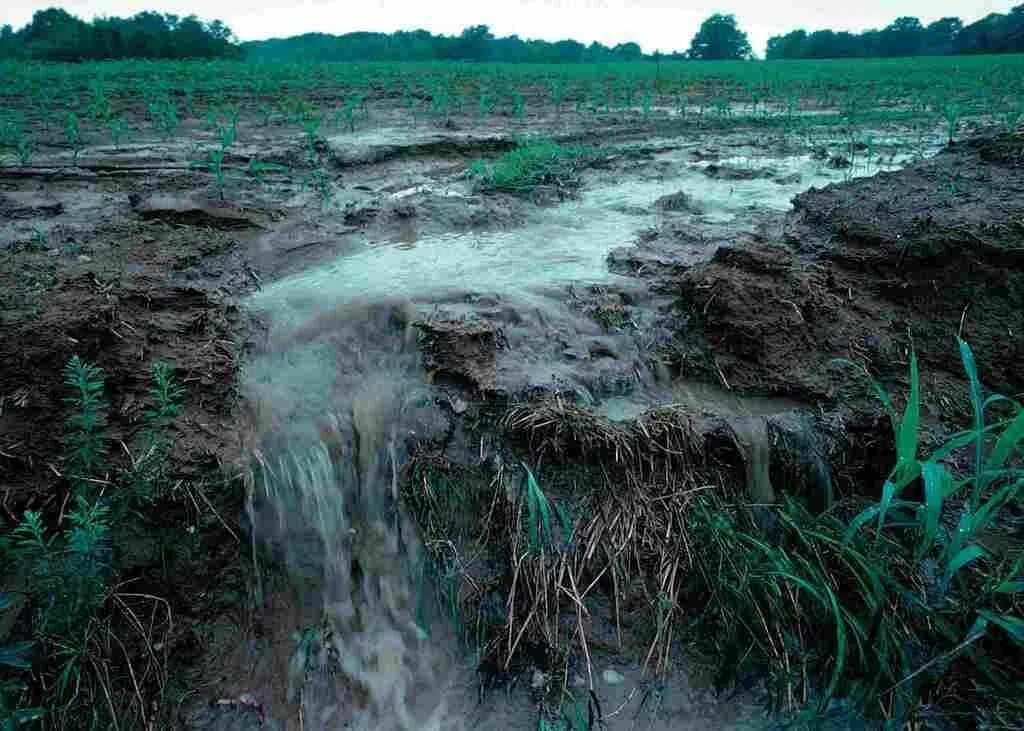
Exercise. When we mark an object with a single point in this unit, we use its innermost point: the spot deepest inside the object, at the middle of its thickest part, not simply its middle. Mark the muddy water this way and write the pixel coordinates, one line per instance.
(565, 244)
(337, 390)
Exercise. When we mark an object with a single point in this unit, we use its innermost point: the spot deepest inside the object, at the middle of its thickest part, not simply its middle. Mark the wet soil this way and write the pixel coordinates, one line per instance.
(681, 260)
(864, 271)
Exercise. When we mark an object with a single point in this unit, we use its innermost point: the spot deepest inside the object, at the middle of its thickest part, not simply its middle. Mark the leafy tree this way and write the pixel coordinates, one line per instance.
(995, 33)
(940, 37)
(628, 51)
(474, 43)
(903, 37)
(56, 35)
(718, 39)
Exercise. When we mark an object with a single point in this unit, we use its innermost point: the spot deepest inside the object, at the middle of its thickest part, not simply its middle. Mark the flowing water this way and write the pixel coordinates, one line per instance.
(337, 392)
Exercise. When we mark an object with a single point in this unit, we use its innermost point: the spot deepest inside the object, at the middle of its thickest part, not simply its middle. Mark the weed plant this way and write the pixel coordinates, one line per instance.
(904, 611)
(533, 163)
(81, 619)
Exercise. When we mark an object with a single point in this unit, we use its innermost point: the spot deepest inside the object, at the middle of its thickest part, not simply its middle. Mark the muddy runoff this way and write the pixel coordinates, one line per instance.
(532, 359)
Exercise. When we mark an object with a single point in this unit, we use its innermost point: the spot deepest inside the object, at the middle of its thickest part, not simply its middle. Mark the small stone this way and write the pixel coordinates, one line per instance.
(459, 406)
(612, 677)
(539, 679)
(84, 259)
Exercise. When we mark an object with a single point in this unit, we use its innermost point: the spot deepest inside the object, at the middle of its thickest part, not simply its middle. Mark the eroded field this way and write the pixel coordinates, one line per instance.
(385, 360)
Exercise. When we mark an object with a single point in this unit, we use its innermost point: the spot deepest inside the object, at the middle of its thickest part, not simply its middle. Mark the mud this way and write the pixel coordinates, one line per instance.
(865, 270)
(680, 305)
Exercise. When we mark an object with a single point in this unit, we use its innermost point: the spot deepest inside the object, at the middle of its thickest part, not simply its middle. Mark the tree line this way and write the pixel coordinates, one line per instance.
(476, 43)
(995, 33)
(56, 35)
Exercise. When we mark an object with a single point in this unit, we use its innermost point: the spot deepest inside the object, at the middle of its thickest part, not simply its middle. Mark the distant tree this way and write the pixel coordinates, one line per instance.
(720, 38)
(474, 43)
(940, 37)
(56, 35)
(568, 51)
(628, 52)
(995, 33)
(790, 45)
(903, 37)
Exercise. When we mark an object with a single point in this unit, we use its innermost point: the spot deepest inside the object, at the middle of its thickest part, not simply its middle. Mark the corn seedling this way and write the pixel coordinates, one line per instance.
(312, 119)
(164, 116)
(25, 150)
(73, 133)
(99, 104)
(952, 114)
(259, 170)
(118, 127)
(38, 242)
(556, 88)
(518, 104)
(349, 112)
(214, 165)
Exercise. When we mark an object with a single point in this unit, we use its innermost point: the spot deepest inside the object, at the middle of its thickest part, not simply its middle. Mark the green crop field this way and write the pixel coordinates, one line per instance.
(38, 97)
(535, 370)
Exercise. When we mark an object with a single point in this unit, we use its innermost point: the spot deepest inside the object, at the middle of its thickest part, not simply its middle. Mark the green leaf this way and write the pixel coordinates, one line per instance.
(16, 655)
(936, 483)
(1013, 626)
(978, 629)
(978, 410)
(963, 557)
(906, 439)
(1013, 586)
(879, 390)
(889, 491)
(985, 513)
(1007, 443)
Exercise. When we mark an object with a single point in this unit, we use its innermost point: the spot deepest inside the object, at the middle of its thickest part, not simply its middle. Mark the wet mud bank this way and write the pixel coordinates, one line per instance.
(865, 271)
(748, 375)
(473, 426)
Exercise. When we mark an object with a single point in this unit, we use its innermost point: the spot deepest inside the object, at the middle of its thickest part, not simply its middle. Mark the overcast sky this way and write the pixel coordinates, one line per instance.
(665, 25)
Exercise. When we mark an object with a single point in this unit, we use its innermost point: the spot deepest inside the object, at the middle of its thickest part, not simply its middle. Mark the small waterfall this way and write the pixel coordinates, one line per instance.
(324, 498)
(752, 435)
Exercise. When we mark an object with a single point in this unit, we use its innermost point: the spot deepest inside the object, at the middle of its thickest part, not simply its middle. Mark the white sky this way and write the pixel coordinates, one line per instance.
(665, 25)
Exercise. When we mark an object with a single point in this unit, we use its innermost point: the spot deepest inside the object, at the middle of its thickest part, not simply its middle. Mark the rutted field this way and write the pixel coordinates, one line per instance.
(441, 395)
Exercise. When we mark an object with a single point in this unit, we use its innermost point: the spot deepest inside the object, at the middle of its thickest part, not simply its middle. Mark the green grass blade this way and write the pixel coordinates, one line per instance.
(978, 411)
(16, 656)
(936, 483)
(1013, 586)
(826, 598)
(1013, 626)
(889, 491)
(1008, 443)
(906, 439)
(963, 557)
(981, 518)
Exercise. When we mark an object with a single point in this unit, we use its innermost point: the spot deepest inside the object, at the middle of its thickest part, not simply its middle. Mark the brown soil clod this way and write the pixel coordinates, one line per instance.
(28, 204)
(194, 212)
(463, 351)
